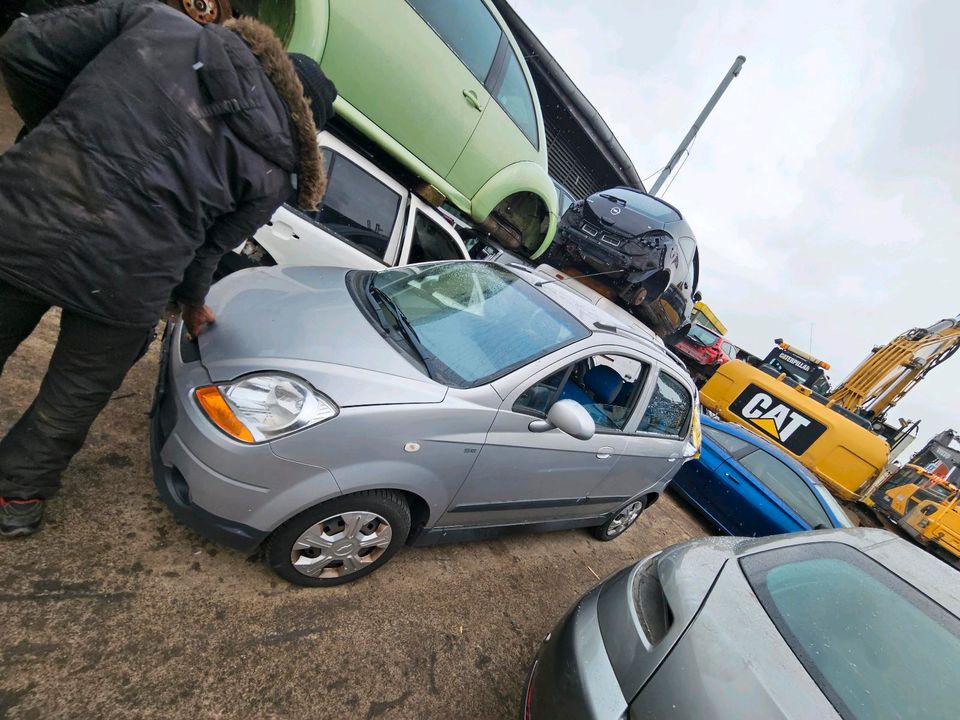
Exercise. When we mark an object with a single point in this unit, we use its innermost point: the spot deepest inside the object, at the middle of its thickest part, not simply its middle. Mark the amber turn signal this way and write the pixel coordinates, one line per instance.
(213, 403)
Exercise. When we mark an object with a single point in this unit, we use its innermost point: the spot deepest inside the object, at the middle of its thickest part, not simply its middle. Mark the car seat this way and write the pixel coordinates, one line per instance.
(604, 382)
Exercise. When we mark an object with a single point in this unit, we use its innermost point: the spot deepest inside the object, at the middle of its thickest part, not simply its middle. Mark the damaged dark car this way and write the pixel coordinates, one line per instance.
(644, 244)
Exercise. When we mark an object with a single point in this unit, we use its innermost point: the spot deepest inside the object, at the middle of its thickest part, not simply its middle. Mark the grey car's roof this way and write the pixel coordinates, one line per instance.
(575, 299)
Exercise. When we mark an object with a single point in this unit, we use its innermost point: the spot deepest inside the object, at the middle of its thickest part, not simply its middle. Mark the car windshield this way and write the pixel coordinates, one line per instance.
(876, 646)
(649, 206)
(701, 336)
(476, 321)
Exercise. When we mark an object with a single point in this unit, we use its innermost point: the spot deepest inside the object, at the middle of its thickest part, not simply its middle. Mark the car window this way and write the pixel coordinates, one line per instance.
(476, 321)
(356, 208)
(688, 246)
(702, 336)
(564, 199)
(607, 386)
(876, 646)
(729, 350)
(728, 442)
(787, 485)
(514, 97)
(467, 27)
(668, 411)
(431, 242)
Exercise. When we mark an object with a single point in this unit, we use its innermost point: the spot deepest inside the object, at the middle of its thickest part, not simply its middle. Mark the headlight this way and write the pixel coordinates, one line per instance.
(258, 408)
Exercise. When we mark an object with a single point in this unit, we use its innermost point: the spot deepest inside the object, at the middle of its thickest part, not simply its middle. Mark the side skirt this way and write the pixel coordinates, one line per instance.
(444, 535)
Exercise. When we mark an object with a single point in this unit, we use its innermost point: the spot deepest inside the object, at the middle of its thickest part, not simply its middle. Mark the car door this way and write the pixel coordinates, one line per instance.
(775, 498)
(510, 129)
(524, 476)
(654, 439)
(416, 69)
(357, 224)
(428, 237)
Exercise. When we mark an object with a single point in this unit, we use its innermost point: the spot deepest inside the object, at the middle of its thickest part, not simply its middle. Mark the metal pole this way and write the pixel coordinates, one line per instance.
(734, 71)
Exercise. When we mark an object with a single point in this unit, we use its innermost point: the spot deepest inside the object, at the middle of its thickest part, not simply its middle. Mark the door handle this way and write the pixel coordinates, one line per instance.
(732, 478)
(282, 230)
(604, 452)
(472, 99)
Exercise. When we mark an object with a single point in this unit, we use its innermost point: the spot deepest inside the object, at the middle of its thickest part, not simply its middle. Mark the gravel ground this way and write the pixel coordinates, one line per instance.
(116, 611)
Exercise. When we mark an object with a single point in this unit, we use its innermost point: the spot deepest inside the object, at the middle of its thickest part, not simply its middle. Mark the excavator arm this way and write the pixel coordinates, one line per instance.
(892, 370)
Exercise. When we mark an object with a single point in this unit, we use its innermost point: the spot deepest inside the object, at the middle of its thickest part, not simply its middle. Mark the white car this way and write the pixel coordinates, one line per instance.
(367, 221)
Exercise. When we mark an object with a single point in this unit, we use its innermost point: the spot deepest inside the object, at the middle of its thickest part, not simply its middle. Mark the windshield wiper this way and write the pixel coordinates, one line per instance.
(403, 325)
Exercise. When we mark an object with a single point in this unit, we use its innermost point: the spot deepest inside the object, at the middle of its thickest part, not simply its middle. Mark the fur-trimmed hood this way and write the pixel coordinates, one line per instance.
(266, 126)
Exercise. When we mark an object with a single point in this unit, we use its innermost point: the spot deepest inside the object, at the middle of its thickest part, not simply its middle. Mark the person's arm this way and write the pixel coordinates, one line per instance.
(40, 55)
(223, 236)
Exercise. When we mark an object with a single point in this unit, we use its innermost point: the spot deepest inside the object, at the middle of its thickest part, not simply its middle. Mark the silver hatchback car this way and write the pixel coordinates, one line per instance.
(333, 415)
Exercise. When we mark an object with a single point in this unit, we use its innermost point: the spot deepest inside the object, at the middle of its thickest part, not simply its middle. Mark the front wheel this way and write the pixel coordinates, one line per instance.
(619, 522)
(340, 540)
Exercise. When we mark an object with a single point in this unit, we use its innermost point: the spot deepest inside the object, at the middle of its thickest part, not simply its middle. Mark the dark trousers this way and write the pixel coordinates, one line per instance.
(89, 362)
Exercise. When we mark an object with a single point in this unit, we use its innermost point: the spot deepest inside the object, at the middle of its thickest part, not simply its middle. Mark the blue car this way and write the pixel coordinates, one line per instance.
(746, 486)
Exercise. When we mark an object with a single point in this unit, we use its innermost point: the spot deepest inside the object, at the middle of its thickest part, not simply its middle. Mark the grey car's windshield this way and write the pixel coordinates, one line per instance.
(476, 321)
(877, 647)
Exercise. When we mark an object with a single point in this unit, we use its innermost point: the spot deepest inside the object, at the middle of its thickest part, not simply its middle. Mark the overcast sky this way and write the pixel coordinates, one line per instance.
(824, 188)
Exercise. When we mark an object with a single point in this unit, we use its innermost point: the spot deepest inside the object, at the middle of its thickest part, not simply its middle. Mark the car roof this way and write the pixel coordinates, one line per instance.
(740, 432)
(576, 301)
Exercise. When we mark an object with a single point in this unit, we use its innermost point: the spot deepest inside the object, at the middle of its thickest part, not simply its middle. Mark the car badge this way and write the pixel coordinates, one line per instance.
(615, 210)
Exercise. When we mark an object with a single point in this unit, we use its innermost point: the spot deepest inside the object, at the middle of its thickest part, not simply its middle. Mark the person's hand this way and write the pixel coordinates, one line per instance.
(197, 318)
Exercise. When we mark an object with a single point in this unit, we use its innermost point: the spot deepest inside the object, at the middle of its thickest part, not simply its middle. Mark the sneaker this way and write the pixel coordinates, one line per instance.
(20, 517)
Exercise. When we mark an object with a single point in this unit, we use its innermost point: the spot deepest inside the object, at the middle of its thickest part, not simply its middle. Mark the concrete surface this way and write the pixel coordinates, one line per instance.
(115, 611)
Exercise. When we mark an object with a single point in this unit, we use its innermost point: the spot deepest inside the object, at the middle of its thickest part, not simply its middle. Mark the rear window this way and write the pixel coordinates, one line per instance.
(646, 204)
(668, 411)
(356, 208)
(876, 646)
(514, 97)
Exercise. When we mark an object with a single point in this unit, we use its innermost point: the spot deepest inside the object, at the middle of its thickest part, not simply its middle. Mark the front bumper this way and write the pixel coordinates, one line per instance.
(230, 492)
(170, 482)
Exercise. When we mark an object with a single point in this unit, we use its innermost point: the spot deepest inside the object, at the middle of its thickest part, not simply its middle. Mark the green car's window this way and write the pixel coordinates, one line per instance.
(467, 27)
(877, 647)
(430, 242)
(514, 97)
(787, 485)
(668, 412)
(357, 207)
(728, 442)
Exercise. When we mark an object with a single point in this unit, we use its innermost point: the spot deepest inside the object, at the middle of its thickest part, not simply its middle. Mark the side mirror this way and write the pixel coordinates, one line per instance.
(570, 417)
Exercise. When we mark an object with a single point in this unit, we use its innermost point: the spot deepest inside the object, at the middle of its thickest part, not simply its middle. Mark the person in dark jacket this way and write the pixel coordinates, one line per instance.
(154, 146)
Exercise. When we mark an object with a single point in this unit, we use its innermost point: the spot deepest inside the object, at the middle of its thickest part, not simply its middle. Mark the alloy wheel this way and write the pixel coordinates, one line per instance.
(341, 544)
(625, 518)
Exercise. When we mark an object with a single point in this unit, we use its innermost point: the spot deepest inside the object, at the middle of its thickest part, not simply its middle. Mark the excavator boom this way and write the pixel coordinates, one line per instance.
(891, 371)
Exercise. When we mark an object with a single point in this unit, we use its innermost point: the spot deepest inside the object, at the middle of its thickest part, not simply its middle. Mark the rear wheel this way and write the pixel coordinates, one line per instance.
(620, 521)
(340, 540)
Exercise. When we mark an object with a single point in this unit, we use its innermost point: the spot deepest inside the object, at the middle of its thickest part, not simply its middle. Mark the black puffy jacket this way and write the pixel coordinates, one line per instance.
(155, 145)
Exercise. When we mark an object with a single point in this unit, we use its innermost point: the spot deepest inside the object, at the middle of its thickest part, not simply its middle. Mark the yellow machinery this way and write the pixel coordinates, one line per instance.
(842, 436)
(704, 315)
(906, 488)
(840, 448)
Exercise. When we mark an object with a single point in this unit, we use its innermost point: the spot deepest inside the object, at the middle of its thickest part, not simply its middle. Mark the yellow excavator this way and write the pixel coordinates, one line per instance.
(843, 436)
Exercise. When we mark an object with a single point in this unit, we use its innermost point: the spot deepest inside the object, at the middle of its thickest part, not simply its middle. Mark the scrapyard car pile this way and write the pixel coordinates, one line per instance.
(334, 414)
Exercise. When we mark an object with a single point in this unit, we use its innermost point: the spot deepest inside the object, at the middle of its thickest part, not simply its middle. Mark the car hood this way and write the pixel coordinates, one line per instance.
(304, 321)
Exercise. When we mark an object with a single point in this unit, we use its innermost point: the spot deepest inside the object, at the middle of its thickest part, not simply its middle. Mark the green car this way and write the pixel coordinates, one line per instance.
(442, 87)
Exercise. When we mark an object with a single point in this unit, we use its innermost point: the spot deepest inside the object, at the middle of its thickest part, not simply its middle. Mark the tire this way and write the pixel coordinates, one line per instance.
(615, 526)
(329, 555)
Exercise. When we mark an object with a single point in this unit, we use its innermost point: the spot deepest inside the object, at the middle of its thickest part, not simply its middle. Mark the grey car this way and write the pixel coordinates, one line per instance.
(835, 623)
(332, 415)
